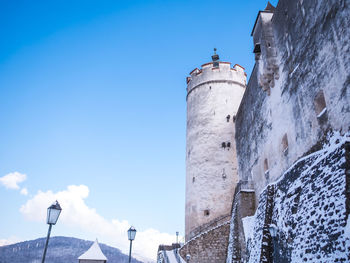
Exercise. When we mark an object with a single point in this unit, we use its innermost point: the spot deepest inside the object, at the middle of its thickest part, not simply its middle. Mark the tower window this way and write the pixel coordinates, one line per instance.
(206, 212)
(223, 145)
(228, 118)
(257, 49)
(193, 179)
(228, 144)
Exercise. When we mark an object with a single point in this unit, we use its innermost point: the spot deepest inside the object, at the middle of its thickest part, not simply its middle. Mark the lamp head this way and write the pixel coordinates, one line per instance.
(53, 212)
(131, 233)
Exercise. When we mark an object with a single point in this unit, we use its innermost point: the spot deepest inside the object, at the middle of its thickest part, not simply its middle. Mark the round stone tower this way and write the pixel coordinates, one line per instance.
(213, 97)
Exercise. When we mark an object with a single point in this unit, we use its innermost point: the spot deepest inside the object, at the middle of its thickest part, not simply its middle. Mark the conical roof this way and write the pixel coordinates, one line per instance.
(269, 7)
(93, 253)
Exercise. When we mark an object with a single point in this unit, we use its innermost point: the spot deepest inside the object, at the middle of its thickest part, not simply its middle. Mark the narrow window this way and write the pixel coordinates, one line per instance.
(257, 49)
(266, 166)
(223, 145)
(320, 104)
(206, 212)
(234, 118)
(228, 118)
(285, 143)
(266, 170)
(193, 179)
(228, 144)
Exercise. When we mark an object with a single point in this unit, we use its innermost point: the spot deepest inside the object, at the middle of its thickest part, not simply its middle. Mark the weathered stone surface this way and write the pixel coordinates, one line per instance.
(312, 40)
(208, 247)
(310, 208)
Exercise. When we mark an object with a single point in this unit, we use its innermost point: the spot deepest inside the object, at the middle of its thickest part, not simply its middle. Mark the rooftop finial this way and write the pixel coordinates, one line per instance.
(215, 57)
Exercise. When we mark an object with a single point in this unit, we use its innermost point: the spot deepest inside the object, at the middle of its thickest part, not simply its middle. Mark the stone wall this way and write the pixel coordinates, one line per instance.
(275, 126)
(208, 247)
(243, 206)
(309, 207)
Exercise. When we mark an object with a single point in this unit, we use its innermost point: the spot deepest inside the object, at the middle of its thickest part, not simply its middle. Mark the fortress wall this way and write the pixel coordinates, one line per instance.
(280, 121)
(208, 247)
(309, 208)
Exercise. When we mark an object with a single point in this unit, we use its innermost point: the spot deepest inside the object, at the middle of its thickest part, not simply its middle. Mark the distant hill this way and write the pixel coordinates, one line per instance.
(60, 250)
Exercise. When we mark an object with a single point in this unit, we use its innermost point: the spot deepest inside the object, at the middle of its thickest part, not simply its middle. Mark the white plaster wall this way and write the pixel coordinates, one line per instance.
(212, 95)
(313, 55)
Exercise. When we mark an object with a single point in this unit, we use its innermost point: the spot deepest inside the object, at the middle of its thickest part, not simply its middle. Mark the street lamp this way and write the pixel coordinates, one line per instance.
(131, 236)
(188, 257)
(53, 212)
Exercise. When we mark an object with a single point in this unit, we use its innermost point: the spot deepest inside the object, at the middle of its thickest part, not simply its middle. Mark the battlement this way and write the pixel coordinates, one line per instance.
(209, 73)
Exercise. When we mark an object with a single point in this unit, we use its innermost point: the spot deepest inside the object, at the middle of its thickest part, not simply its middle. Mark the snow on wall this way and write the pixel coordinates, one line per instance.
(311, 95)
(214, 95)
(310, 206)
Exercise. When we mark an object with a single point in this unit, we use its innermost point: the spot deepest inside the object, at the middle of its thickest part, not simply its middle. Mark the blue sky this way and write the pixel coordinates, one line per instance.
(93, 93)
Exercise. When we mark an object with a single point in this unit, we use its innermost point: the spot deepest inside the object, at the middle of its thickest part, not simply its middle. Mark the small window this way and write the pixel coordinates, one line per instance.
(234, 118)
(193, 179)
(285, 143)
(228, 118)
(320, 104)
(266, 165)
(223, 145)
(266, 170)
(228, 144)
(257, 49)
(206, 212)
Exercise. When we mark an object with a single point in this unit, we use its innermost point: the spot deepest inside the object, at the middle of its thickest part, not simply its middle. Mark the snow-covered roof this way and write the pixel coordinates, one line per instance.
(93, 253)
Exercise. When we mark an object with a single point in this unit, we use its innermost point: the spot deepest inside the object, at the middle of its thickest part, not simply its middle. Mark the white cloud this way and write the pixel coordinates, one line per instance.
(12, 180)
(76, 213)
(24, 191)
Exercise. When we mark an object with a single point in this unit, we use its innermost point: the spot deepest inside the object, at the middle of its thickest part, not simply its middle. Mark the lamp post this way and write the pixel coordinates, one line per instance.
(53, 212)
(131, 236)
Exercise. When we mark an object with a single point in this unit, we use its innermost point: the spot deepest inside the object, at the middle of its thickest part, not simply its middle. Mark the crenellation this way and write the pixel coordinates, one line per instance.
(214, 93)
